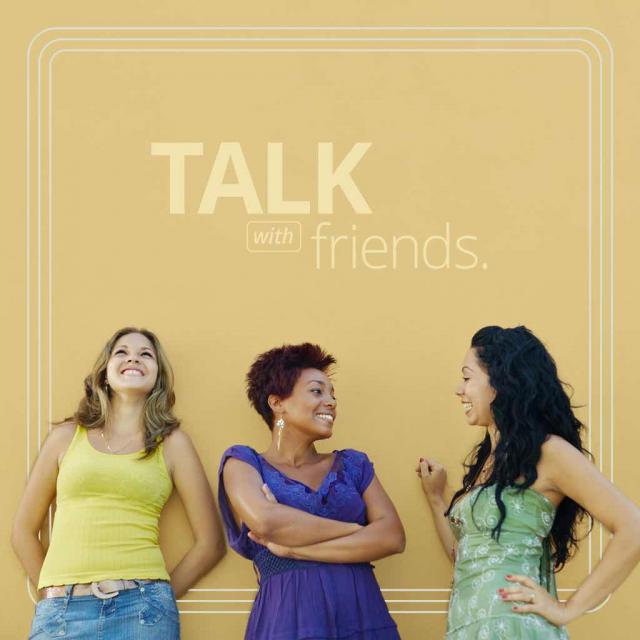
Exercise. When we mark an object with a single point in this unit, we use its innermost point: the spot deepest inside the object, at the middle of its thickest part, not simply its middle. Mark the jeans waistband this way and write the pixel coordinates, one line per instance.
(103, 589)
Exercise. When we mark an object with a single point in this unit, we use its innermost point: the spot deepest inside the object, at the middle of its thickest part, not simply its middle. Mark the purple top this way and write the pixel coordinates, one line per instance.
(299, 600)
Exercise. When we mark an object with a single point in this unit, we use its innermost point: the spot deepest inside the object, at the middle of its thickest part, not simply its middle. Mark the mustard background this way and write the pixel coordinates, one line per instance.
(495, 144)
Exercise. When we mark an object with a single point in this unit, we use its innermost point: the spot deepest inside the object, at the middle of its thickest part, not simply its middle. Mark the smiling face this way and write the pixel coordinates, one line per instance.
(311, 407)
(475, 392)
(133, 365)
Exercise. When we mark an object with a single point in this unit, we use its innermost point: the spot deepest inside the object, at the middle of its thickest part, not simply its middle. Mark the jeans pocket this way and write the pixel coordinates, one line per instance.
(49, 619)
(158, 601)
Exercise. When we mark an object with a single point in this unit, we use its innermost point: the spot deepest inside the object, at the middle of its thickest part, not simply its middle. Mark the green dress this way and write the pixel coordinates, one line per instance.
(476, 611)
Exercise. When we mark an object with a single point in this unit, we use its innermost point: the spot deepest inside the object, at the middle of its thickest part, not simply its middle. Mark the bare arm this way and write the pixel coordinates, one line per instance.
(194, 491)
(38, 496)
(382, 537)
(576, 477)
(433, 477)
(273, 521)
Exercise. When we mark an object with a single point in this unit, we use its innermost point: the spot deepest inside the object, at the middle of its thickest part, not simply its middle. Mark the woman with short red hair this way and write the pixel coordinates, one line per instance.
(311, 522)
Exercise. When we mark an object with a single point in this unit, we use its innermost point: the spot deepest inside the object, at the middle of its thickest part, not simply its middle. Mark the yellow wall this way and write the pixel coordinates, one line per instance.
(495, 143)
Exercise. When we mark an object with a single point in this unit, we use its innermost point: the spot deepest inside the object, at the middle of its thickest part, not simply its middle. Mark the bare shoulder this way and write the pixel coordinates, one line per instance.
(61, 435)
(178, 440)
(56, 443)
(558, 460)
(178, 450)
(557, 448)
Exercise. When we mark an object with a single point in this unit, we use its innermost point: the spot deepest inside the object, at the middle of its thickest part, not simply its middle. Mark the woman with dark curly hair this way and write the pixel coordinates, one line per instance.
(311, 522)
(527, 485)
(110, 469)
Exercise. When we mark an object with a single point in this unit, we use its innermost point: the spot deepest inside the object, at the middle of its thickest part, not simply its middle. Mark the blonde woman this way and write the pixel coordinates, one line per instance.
(111, 468)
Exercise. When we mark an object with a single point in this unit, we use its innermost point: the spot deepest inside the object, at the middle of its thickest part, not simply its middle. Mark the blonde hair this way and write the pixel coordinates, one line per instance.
(94, 408)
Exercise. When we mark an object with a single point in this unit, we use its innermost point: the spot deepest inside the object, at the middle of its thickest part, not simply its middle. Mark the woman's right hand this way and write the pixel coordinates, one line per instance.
(433, 477)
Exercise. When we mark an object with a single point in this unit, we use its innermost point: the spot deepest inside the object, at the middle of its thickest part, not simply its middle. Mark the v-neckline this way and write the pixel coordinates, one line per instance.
(336, 454)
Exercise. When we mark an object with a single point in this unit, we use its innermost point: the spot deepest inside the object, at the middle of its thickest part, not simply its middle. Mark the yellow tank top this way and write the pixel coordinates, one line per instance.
(106, 520)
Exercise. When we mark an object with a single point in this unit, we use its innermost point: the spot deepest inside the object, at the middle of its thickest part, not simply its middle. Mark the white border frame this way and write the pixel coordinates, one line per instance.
(589, 43)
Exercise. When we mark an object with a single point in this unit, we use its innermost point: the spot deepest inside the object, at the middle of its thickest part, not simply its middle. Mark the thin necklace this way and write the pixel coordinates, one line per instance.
(107, 442)
(484, 473)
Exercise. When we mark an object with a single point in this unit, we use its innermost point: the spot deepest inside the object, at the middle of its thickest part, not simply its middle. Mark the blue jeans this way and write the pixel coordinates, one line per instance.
(146, 613)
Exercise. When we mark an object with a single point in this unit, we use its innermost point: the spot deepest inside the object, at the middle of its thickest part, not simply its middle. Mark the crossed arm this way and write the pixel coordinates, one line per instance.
(290, 532)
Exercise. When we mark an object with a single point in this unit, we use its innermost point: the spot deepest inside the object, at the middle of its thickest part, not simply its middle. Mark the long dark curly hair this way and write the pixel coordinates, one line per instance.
(530, 405)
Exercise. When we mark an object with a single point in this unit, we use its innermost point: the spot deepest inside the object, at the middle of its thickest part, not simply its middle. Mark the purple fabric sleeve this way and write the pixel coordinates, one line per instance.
(237, 537)
(361, 468)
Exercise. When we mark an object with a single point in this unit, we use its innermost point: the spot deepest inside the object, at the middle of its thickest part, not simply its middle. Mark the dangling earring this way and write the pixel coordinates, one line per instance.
(280, 427)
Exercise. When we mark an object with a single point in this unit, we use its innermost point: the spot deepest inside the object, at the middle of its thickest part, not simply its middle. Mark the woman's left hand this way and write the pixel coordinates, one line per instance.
(536, 598)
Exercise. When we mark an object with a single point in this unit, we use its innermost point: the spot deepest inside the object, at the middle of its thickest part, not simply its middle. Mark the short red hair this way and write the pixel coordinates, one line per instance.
(276, 372)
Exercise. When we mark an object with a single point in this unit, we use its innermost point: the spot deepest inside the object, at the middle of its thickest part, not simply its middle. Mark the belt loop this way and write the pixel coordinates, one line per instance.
(67, 597)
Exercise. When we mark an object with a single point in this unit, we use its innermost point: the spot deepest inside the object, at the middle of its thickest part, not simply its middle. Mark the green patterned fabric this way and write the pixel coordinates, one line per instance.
(476, 611)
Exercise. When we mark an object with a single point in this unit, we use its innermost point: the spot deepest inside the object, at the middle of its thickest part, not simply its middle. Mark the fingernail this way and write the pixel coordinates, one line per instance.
(514, 608)
(509, 575)
(500, 590)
